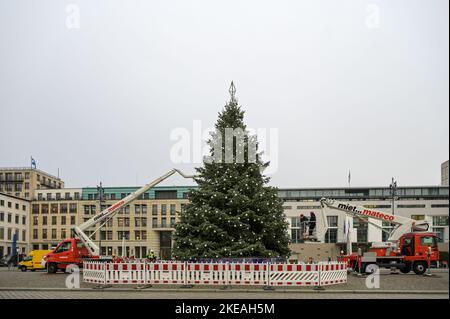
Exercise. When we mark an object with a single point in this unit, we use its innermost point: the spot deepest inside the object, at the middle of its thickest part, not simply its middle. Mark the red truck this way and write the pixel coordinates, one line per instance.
(416, 251)
(70, 251)
(410, 245)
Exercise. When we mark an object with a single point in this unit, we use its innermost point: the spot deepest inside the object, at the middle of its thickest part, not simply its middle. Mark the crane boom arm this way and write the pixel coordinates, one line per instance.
(112, 210)
(402, 224)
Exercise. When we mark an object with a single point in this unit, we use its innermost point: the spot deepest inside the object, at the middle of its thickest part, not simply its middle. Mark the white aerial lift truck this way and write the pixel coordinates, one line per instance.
(73, 251)
(409, 247)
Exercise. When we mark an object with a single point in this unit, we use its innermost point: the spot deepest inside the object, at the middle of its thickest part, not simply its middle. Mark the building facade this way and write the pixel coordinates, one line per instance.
(22, 182)
(444, 173)
(14, 212)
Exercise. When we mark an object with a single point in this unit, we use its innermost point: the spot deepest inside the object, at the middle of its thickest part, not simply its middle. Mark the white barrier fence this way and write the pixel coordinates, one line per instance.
(184, 273)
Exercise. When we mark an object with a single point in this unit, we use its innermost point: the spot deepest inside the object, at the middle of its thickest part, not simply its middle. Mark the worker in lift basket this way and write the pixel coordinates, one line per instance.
(151, 255)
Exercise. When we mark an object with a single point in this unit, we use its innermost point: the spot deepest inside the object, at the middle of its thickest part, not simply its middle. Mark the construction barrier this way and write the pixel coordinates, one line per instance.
(332, 273)
(184, 273)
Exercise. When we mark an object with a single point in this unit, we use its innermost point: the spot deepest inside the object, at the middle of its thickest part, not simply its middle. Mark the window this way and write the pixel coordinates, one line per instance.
(163, 209)
(428, 241)
(35, 220)
(63, 220)
(172, 222)
(63, 233)
(144, 209)
(72, 220)
(154, 209)
(165, 194)
(361, 230)
(44, 234)
(54, 220)
(73, 208)
(137, 222)
(9, 218)
(418, 217)
(35, 233)
(172, 209)
(77, 195)
(144, 221)
(440, 220)
(17, 219)
(24, 220)
(49, 196)
(2, 217)
(63, 208)
(54, 208)
(67, 195)
(137, 209)
(296, 236)
(411, 206)
(53, 233)
(44, 220)
(440, 233)
(9, 233)
(63, 247)
(439, 205)
(331, 235)
(2, 233)
(154, 222)
(332, 221)
(58, 196)
(44, 208)
(123, 235)
(17, 206)
(164, 222)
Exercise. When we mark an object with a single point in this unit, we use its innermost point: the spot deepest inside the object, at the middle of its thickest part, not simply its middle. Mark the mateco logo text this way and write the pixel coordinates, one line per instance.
(366, 212)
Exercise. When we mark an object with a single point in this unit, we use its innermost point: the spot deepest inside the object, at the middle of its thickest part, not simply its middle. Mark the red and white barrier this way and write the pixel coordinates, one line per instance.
(125, 273)
(248, 274)
(166, 273)
(332, 273)
(264, 274)
(206, 273)
(294, 275)
(94, 272)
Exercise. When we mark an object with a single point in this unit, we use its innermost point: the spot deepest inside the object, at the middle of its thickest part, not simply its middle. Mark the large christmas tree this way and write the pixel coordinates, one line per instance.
(232, 213)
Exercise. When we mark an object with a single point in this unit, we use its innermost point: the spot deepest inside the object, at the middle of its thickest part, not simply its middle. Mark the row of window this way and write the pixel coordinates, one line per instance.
(54, 220)
(9, 234)
(377, 206)
(9, 218)
(54, 208)
(59, 196)
(138, 209)
(9, 205)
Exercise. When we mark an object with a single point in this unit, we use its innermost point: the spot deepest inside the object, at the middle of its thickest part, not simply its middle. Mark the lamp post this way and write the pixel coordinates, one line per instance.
(393, 188)
(101, 199)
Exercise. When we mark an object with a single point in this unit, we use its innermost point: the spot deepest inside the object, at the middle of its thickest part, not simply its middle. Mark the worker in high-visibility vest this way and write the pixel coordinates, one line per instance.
(151, 255)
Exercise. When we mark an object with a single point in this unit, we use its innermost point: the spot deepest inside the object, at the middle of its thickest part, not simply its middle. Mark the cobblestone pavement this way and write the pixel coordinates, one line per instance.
(10, 279)
(203, 295)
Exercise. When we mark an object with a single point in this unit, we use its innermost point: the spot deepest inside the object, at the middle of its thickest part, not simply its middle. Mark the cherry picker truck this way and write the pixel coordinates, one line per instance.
(73, 251)
(410, 245)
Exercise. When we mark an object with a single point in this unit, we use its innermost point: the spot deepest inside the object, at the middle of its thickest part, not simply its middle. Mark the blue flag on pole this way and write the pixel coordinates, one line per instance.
(14, 245)
(33, 163)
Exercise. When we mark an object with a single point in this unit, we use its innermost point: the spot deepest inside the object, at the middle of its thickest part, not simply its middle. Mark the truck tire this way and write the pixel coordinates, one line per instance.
(23, 268)
(52, 268)
(420, 267)
(406, 269)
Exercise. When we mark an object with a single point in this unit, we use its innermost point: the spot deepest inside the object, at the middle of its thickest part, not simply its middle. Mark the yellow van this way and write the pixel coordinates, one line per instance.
(33, 260)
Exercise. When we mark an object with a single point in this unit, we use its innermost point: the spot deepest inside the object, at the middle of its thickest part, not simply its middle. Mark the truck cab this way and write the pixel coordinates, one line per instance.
(68, 252)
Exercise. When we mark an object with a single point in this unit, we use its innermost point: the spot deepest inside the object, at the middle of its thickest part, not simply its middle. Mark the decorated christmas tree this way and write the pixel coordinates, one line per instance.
(232, 213)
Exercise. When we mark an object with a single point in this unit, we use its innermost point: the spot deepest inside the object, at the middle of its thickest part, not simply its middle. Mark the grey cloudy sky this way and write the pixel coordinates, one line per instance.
(100, 102)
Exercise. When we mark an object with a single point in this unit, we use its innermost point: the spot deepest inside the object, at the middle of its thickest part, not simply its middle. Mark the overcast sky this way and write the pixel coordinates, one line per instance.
(360, 85)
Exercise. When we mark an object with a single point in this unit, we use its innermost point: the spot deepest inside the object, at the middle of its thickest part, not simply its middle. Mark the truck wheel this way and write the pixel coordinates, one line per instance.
(52, 268)
(420, 267)
(23, 268)
(406, 269)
